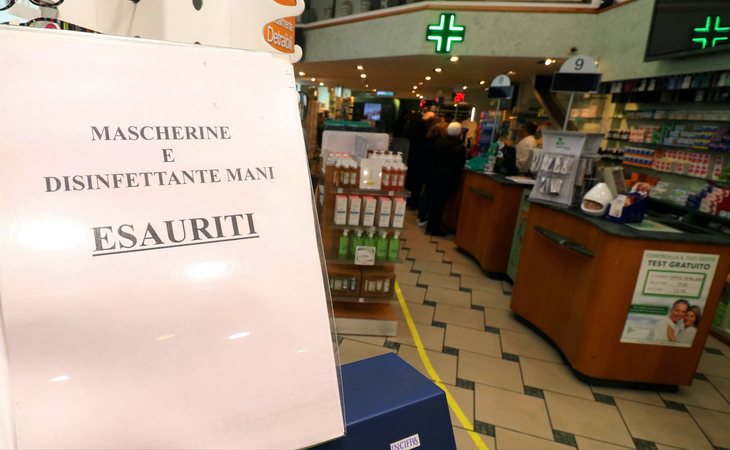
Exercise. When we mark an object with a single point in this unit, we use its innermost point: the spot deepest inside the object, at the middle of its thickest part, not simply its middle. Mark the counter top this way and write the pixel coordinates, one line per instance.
(690, 233)
(499, 178)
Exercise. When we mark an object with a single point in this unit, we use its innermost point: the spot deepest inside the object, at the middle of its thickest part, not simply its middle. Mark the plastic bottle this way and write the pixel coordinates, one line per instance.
(387, 177)
(355, 241)
(491, 158)
(345, 174)
(402, 169)
(354, 172)
(369, 241)
(344, 249)
(394, 247)
(381, 246)
(337, 178)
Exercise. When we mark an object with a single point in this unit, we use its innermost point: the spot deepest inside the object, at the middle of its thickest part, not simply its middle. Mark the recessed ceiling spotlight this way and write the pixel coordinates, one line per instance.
(482, 82)
(420, 83)
(438, 69)
(360, 67)
(362, 75)
(367, 85)
(321, 83)
(314, 79)
(454, 58)
(415, 87)
(413, 92)
(548, 61)
(464, 87)
(428, 78)
(301, 74)
(375, 90)
(511, 72)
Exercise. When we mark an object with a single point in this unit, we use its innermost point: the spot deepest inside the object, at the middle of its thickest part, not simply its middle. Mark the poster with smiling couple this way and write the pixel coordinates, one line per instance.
(669, 298)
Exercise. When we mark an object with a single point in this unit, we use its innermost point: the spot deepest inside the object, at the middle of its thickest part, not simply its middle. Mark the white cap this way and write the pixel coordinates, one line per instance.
(454, 129)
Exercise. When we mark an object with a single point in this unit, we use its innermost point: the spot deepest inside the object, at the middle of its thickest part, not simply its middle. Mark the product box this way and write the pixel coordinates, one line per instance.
(390, 405)
(368, 211)
(399, 212)
(377, 282)
(385, 205)
(355, 207)
(340, 210)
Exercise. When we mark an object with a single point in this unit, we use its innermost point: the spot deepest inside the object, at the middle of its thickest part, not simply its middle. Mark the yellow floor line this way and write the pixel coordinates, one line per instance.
(465, 423)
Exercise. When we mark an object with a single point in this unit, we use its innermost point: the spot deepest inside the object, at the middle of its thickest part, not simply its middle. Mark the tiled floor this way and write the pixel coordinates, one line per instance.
(514, 387)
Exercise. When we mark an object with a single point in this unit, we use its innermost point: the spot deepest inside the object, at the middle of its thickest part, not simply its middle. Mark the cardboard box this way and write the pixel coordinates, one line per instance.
(353, 217)
(340, 210)
(399, 212)
(390, 405)
(369, 207)
(385, 205)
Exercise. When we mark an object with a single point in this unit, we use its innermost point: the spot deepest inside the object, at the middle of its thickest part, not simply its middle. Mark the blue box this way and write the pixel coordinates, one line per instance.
(390, 405)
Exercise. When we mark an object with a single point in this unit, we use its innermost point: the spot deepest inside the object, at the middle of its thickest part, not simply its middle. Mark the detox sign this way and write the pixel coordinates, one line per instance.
(669, 298)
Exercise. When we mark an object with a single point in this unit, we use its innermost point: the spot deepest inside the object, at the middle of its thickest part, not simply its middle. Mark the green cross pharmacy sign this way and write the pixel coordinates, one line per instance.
(445, 33)
(712, 33)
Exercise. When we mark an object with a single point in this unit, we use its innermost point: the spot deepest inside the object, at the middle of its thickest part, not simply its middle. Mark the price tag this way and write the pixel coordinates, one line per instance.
(364, 256)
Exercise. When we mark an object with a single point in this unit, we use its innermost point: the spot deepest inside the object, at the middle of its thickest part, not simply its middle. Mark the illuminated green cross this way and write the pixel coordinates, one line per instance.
(707, 29)
(445, 33)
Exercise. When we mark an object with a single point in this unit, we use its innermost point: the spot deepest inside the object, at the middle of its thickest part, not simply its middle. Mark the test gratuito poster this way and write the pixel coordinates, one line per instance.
(160, 277)
(669, 298)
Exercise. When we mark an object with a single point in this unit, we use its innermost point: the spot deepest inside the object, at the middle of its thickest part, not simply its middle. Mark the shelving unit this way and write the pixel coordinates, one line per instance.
(357, 309)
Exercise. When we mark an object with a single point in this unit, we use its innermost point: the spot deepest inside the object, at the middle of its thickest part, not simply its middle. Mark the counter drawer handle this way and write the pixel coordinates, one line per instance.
(481, 193)
(564, 242)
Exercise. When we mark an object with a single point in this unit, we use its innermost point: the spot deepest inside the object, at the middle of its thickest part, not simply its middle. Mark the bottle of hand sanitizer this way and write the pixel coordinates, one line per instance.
(381, 246)
(355, 241)
(394, 247)
(344, 249)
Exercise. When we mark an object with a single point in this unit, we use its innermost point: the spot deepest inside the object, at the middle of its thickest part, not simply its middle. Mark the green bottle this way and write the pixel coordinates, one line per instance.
(394, 247)
(369, 241)
(381, 246)
(344, 250)
(355, 241)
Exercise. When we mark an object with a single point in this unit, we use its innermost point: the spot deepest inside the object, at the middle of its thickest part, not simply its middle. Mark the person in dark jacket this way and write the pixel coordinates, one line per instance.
(418, 158)
(448, 159)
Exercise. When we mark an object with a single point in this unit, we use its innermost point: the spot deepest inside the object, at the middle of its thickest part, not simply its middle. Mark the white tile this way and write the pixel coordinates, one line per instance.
(701, 393)
(511, 410)
(711, 364)
(431, 337)
(553, 377)
(475, 341)
(504, 320)
(512, 440)
(491, 300)
(532, 346)
(481, 283)
(439, 280)
(465, 317)
(449, 296)
(491, 371)
(443, 364)
(635, 395)
(716, 425)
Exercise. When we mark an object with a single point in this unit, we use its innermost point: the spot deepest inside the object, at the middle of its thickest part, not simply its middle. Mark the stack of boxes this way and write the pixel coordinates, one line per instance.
(711, 200)
(638, 156)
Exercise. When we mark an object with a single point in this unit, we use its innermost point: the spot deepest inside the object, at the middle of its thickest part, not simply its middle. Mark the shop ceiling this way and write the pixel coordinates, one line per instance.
(401, 74)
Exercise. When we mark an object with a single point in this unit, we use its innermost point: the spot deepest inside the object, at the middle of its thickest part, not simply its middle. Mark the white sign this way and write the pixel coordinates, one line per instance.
(669, 298)
(579, 64)
(364, 255)
(160, 282)
(406, 444)
(501, 81)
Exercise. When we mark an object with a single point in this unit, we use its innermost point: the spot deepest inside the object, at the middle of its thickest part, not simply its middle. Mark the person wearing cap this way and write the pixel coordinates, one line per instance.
(449, 157)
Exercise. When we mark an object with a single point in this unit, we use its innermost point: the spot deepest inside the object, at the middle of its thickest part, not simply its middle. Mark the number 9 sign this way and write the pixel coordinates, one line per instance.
(579, 64)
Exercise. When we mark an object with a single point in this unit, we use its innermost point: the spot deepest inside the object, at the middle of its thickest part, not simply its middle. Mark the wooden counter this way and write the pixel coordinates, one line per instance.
(576, 280)
(487, 217)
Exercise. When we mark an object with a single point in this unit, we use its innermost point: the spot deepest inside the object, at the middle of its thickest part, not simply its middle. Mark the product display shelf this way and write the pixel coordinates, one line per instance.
(652, 119)
(660, 146)
(632, 166)
(357, 312)
(690, 215)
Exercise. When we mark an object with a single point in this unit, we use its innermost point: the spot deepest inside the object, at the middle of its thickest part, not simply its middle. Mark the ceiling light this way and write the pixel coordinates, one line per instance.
(359, 67)
(314, 79)
(420, 83)
(428, 78)
(454, 58)
(301, 74)
(415, 87)
(367, 85)
(511, 72)
(321, 83)
(464, 87)
(362, 75)
(482, 82)
(413, 92)
(438, 69)
(375, 90)
(549, 61)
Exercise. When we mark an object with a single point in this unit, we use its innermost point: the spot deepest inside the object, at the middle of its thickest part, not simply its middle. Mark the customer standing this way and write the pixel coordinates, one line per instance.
(449, 157)
(526, 144)
(418, 157)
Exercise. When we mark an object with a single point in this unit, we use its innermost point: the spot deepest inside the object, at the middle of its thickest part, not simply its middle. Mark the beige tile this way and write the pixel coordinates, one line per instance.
(465, 399)
(504, 320)
(439, 280)
(512, 440)
(404, 266)
(472, 269)
(553, 377)
(465, 317)
(457, 257)
(481, 283)
(407, 278)
(413, 294)
(587, 418)
(419, 312)
(511, 410)
(491, 300)
(495, 372)
(421, 254)
(472, 340)
(431, 337)
(433, 267)
(648, 397)
(443, 364)
(591, 444)
(666, 447)
(465, 442)
(449, 296)
(529, 345)
(711, 364)
(351, 351)
(713, 342)
(716, 425)
(701, 394)
(721, 384)
(662, 425)
(403, 254)
(372, 340)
